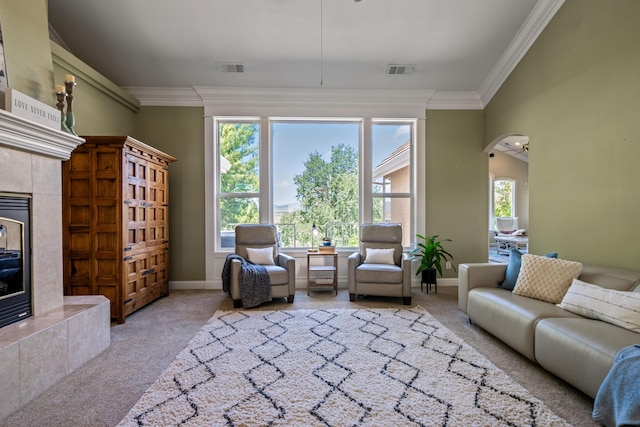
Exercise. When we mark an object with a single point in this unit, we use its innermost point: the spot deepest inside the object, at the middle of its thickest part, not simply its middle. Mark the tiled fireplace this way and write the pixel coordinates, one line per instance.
(64, 332)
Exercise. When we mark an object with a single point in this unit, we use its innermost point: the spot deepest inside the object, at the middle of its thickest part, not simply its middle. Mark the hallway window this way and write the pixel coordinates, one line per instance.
(504, 197)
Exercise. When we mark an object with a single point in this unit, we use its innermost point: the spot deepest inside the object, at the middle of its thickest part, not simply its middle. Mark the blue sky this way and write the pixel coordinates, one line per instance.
(293, 142)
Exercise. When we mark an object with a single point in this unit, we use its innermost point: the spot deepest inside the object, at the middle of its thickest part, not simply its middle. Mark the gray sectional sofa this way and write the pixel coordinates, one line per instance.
(579, 350)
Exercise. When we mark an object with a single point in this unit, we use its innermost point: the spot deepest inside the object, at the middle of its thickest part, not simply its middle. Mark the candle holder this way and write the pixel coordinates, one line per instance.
(70, 119)
(60, 105)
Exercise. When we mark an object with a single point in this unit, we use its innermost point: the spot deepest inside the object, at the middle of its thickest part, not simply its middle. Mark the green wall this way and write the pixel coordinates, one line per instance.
(179, 131)
(25, 33)
(457, 175)
(35, 65)
(575, 94)
(100, 107)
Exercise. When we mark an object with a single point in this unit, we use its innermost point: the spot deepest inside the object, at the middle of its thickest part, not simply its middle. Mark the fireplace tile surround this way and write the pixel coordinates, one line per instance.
(64, 332)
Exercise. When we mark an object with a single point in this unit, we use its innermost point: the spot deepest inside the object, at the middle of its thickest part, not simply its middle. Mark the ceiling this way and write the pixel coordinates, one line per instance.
(456, 46)
(515, 145)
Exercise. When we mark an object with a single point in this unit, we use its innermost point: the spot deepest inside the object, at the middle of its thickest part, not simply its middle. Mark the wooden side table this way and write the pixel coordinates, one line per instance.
(330, 271)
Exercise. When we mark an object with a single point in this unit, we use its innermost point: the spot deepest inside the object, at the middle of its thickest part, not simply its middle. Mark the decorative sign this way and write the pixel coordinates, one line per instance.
(31, 109)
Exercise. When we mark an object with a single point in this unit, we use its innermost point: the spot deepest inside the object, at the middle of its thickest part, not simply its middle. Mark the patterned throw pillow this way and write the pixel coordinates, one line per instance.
(616, 307)
(513, 268)
(546, 279)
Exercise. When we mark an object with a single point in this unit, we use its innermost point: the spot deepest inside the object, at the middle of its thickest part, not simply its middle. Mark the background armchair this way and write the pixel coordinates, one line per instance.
(508, 226)
(281, 274)
(380, 275)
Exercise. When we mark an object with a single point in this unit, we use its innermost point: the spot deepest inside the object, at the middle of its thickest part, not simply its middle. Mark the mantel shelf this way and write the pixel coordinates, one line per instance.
(25, 135)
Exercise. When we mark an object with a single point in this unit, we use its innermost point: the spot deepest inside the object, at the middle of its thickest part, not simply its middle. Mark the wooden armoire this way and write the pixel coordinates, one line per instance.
(115, 192)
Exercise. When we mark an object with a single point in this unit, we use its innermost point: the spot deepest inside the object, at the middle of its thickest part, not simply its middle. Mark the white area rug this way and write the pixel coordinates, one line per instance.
(342, 367)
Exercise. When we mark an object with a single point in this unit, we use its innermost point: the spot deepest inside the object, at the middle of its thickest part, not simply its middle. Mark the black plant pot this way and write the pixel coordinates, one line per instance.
(429, 278)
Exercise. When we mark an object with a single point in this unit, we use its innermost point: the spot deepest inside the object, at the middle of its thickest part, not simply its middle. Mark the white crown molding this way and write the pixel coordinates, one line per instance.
(536, 22)
(356, 101)
(455, 101)
(166, 96)
(314, 102)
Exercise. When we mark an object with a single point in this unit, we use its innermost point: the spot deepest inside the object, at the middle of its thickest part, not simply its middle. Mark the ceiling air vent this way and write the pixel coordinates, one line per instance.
(227, 67)
(400, 69)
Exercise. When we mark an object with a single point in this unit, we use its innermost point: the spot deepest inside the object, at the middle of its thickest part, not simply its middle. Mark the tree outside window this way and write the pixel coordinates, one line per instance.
(239, 150)
(315, 170)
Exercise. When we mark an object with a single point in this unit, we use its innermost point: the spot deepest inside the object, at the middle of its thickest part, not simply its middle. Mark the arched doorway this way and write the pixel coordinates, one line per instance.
(508, 186)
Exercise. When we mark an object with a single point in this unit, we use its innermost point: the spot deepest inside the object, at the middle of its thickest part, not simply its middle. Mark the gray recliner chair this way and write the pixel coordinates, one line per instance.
(282, 275)
(380, 273)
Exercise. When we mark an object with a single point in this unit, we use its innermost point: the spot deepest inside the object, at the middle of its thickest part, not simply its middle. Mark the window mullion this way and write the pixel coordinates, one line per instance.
(366, 192)
(266, 179)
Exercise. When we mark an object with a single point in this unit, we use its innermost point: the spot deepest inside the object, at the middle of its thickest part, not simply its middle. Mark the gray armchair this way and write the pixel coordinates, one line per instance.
(380, 274)
(282, 275)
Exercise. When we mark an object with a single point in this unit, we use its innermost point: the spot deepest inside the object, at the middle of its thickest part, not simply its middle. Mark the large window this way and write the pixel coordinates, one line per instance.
(297, 173)
(315, 181)
(391, 174)
(239, 176)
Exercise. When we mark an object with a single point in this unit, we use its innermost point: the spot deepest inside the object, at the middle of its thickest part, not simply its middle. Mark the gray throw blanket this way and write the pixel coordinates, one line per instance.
(255, 286)
(618, 400)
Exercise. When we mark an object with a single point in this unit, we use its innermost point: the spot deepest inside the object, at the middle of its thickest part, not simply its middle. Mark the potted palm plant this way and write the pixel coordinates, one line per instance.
(431, 255)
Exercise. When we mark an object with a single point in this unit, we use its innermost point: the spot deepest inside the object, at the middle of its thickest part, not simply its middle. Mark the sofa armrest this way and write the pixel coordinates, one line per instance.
(289, 263)
(234, 275)
(353, 261)
(475, 275)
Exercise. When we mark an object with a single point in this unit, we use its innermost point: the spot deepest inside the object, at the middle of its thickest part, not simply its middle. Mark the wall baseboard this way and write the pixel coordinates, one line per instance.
(217, 284)
(195, 284)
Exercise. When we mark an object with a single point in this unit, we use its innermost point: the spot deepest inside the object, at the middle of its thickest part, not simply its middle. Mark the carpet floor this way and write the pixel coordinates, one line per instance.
(103, 391)
(334, 367)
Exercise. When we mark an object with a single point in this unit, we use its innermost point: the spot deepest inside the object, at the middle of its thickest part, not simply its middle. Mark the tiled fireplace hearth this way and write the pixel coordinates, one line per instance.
(64, 332)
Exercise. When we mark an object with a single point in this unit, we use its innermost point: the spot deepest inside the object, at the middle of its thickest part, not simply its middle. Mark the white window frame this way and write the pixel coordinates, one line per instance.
(411, 194)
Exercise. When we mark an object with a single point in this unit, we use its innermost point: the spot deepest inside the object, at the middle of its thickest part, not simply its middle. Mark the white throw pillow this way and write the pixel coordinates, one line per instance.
(379, 256)
(262, 256)
(546, 279)
(595, 302)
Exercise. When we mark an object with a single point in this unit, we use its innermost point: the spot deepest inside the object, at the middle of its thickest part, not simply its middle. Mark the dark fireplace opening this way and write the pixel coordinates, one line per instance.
(15, 258)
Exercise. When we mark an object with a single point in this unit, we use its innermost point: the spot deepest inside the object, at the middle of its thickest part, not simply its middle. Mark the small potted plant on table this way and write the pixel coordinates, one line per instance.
(431, 255)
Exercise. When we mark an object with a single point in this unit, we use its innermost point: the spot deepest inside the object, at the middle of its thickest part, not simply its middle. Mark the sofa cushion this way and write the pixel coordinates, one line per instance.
(277, 275)
(509, 317)
(579, 350)
(379, 273)
(513, 268)
(620, 279)
(619, 308)
(379, 256)
(546, 279)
